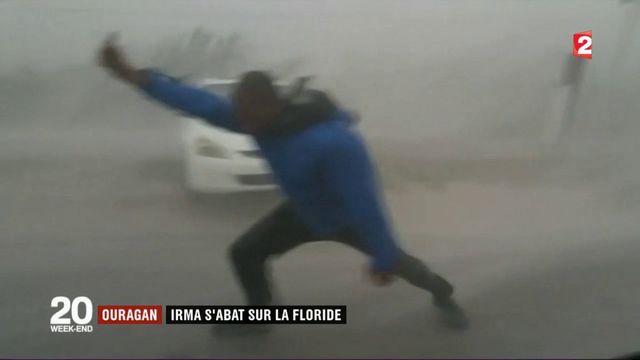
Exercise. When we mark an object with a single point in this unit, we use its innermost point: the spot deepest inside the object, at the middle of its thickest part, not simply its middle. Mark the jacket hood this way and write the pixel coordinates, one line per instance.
(303, 110)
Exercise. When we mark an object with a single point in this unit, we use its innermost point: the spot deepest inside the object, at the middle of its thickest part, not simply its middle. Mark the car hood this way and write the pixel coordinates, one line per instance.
(194, 128)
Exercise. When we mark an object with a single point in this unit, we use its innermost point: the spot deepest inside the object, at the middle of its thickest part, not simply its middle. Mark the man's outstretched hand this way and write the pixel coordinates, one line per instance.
(381, 278)
(113, 59)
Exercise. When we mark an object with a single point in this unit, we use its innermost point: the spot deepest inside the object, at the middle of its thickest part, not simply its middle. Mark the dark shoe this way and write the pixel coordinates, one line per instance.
(451, 313)
(240, 330)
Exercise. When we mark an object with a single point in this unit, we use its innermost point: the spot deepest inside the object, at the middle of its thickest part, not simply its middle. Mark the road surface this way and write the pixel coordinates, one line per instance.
(546, 267)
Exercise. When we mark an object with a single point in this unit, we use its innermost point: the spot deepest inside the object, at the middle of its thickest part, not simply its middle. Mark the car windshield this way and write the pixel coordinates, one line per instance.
(227, 88)
(220, 89)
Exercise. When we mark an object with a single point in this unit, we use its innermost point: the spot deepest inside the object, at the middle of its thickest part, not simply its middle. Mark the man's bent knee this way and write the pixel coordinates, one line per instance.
(242, 251)
(238, 252)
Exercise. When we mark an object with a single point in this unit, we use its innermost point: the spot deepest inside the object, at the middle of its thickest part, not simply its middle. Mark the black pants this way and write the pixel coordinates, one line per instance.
(281, 231)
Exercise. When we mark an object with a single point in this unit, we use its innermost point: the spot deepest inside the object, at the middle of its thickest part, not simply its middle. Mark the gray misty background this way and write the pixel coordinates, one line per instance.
(461, 103)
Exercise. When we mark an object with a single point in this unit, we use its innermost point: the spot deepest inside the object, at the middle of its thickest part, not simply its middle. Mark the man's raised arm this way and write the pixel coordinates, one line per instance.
(166, 90)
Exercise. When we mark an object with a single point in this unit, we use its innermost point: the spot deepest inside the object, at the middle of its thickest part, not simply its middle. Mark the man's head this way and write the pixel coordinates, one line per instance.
(255, 100)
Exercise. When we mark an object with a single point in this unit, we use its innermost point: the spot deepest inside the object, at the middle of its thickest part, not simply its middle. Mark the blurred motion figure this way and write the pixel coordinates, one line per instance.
(323, 168)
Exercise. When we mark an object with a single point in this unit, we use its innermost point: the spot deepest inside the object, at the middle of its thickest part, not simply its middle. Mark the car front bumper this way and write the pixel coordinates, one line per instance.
(213, 175)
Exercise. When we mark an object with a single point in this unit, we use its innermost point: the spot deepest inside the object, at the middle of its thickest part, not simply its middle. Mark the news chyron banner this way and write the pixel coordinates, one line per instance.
(320, 314)
(77, 315)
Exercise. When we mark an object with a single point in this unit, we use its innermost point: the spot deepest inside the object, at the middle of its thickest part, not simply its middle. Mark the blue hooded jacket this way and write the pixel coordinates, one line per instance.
(324, 169)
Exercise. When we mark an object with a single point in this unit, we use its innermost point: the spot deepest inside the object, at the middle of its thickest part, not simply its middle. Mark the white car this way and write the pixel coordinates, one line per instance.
(221, 161)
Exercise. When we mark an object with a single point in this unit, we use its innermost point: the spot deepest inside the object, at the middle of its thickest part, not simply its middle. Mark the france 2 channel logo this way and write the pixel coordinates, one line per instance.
(81, 311)
(582, 45)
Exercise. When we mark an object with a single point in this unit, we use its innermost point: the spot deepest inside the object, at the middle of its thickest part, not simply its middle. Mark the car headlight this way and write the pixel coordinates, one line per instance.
(207, 148)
